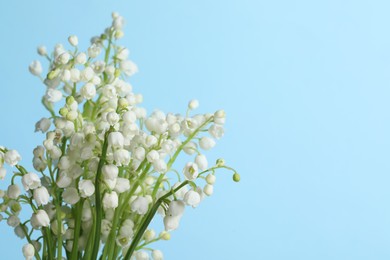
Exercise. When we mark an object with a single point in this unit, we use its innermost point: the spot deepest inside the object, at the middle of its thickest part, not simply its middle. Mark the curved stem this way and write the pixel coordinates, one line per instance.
(36, 253)
(148, 218)
(173, 159)
(99, 213)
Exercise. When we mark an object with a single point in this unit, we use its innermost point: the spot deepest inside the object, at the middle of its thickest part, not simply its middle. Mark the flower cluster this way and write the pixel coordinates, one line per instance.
(106, 167)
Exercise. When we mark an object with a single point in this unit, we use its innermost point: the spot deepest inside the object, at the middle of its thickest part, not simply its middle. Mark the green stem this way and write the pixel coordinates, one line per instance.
(98, 223)
(59, 227)
(49, 244)
(173, 159)
(36, 253)
(77, 230)
(108, 249)
(148, 218)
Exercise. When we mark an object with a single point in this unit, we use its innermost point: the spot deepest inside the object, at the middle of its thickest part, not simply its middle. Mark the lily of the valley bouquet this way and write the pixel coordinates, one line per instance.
(105, 167)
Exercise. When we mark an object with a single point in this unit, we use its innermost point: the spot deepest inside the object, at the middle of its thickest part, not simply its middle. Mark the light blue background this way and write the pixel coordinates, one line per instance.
(306, 86)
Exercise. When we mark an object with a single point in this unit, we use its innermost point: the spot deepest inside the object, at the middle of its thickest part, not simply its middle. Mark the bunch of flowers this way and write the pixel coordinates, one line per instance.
(105, 167)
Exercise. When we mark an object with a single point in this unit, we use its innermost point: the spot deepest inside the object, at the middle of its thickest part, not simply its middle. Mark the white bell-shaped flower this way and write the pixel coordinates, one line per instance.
(202, 162)
(71, 195)
(86, 188)
(191, 171)
(31, 181)
(40, 219)
(12, 157)
(110, 200)
(192, 198)
(110, 171)
(41, 196)
(28, 251)
(140, 205)
(13, 191)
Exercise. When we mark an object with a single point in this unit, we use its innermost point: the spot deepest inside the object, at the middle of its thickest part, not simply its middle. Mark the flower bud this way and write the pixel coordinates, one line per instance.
(64, 163)
(210, 179)
(81, 58)
(13, 221)
(236, 177)
(15, 207)
(149, 235)
(160, 166)
(139, 153)
(208, 189)
(171, 223)
(220, 117)
(31, 181)
(157, 255)
(88, 91)
(41, 196)
(110, 171)
(42, 50)
(35, 68)
(20, 231)
(220, 162)
(73, 40)
(122, 157)
(140, 205)
(165, 235)
(12, 157)
(193, 104)
(122, 185)
(206, 143)
(192, 198)
(141, 255)
(28, 251)
(116, 140)
(40, 219)
(201, 161)
(176, 208)
(71, 196)
(43, 125)
(86, 188)
(112, 118)
(13, 191)
(110, 200)
(152, 156)
(53, 95)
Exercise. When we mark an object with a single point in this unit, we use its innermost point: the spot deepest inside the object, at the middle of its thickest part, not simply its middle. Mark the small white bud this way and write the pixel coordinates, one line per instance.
(35, 68)
(40, 219)
(31, 181)
(208, 189)
(12, 157)
(140, 205)
(71, 196)
(201, 161)
(86, 188)
(110, 200)
(193, 104)
(13, 191)
(206, 143)
(192, 198)
(41, 196)
(210, 179)
(73, 40)
(28, 251)
(116, 140)
(42, 50)
(110, 171)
